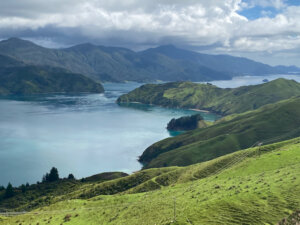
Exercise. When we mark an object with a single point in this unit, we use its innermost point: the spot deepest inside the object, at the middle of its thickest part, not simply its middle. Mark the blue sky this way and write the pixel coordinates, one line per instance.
(258, 10)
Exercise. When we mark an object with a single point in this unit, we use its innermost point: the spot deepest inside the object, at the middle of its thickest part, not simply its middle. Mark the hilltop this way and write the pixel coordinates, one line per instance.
(222, 101)
(253, 186)
(115, 64)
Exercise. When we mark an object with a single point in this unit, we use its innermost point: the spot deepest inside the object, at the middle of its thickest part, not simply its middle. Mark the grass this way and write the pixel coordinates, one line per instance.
(208, 97)
(246, 187)
(271, 123)
(41, 194)
(293, 219)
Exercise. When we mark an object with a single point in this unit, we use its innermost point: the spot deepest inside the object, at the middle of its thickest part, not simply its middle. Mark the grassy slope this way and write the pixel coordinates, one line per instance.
(40, 194)
(268, 124)
(209, 97)
(36, 79)
(250, 188)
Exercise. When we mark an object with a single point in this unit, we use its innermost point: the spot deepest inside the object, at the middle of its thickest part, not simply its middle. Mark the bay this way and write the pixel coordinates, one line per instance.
(81, 134)
(85, 134)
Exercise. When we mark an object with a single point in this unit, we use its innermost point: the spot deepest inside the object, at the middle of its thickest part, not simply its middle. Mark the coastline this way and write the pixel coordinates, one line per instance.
(200, 110)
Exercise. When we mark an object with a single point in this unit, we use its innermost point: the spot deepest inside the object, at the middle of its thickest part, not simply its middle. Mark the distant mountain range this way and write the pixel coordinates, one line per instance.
(164, 63)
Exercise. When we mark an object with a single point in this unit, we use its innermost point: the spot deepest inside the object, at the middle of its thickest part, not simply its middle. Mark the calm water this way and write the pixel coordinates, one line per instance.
(82, 134)
(251, 80)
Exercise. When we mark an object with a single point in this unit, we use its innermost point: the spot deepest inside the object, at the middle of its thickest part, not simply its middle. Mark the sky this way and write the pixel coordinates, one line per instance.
(263, 30)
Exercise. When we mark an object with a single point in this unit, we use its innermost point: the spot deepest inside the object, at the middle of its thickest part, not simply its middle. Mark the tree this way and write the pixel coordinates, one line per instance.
(71, 176)
(9, 192)
(52, 176)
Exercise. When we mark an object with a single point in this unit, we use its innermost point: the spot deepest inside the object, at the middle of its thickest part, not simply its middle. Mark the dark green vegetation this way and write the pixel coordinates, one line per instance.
(271, 123)
(209, 97)
(253, 186)
(166, 63)
(186, 123)
(293, 219)
(9, 191)
(51, 189)
(18, 78)
(52, 176)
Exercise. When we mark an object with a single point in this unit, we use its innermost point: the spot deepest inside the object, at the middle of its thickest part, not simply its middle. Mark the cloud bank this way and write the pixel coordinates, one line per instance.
(217, 26)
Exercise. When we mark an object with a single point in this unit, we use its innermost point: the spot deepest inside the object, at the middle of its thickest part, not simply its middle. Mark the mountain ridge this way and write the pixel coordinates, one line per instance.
(117, 64)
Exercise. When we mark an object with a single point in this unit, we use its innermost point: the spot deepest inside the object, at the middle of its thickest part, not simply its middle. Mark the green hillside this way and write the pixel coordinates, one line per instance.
(6, 61)
(29, 197)
(209, 97)
(253, 186)
(28, 80)
(271, 123)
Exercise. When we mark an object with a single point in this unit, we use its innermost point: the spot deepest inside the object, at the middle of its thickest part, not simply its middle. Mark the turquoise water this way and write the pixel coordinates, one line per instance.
(80, 134)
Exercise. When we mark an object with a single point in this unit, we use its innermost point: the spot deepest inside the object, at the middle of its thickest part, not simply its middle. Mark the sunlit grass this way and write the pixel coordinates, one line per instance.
(253, 189)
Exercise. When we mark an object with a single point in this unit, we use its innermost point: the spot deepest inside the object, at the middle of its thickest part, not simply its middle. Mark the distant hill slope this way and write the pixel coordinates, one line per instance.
(6, 61)
(271, 123)
(209, 97)
(247, 187)
(236, 66)
(18, 78)
(166, 63)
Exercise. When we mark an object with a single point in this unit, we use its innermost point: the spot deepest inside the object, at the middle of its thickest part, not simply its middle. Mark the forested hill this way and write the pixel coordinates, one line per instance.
(17, 78)
(166, 63)
(209, 97)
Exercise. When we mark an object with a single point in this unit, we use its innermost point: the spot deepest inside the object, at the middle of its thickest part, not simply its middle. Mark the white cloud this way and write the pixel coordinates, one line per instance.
(153, 22)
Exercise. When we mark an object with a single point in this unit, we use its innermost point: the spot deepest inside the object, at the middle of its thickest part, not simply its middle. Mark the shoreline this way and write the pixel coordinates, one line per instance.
(200, 110)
